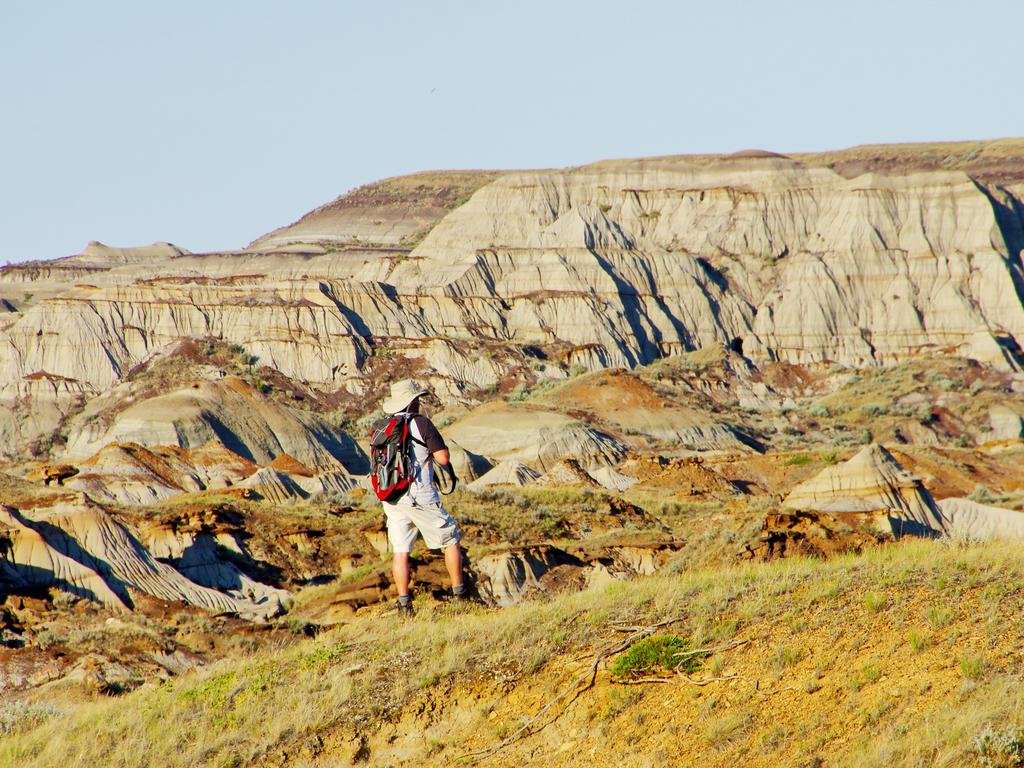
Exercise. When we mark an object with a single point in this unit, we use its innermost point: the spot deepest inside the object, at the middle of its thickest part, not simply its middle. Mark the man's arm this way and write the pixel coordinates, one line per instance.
(433, 441)
(438, 451)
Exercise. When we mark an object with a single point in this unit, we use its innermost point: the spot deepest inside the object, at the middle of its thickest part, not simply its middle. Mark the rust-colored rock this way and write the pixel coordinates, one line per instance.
(686, 476)
(811, 534)
(49, 473)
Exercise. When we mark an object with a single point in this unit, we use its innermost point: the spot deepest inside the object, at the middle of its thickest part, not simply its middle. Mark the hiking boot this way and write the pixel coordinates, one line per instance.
(405, 611)
(458, 603)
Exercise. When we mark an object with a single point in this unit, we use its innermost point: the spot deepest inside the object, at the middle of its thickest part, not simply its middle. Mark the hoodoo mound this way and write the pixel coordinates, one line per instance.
(468, 466)
(535, 436)
(128, 473)
(871, 484)
(98, 255)
(567, 472)
(232, 413)
(632, 406)
(75, 546)
(505, 473)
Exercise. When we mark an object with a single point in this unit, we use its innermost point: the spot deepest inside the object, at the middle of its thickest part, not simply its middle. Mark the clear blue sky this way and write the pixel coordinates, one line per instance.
(209, 123)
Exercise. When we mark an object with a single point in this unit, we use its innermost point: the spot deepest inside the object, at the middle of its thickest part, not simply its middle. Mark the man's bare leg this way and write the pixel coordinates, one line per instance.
(400, 572)
(453, 562)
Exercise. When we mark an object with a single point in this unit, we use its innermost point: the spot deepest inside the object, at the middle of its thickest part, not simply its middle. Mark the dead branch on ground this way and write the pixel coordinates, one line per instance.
(591, 674)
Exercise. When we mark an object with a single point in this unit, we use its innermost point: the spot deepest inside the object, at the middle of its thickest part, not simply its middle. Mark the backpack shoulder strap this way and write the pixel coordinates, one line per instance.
(412, 437)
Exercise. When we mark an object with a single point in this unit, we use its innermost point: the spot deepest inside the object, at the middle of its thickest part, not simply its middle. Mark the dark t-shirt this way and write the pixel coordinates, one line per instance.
(429, 434)
(426, 441)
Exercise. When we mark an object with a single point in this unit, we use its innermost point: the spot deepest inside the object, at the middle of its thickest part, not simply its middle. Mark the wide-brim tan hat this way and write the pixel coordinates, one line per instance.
(402, 394)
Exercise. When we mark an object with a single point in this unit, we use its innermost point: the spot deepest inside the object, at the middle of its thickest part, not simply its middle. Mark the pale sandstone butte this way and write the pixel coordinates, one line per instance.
(612, 480)
(615, 263)
(392, 212)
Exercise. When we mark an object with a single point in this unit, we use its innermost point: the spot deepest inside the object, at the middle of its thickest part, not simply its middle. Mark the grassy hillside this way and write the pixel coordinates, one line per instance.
(909, 655)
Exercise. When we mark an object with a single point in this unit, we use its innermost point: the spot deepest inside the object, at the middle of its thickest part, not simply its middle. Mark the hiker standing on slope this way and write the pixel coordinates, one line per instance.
(404, 448)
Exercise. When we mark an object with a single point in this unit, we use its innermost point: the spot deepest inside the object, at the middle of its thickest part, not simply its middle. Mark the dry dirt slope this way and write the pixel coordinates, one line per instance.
(909, 656)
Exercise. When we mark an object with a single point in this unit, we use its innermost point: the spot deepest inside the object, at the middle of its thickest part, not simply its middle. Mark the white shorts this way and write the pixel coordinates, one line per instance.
(437, 527)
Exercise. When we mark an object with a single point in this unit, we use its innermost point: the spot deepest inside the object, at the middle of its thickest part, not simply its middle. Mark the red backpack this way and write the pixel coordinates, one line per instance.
(390, 457)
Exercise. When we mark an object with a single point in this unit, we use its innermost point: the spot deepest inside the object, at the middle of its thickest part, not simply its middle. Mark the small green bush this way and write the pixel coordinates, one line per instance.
(871, 672)
(657, 653)
(519, 394)
(324, 656)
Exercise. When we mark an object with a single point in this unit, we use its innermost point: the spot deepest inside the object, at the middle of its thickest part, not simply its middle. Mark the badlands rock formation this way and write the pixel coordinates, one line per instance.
(229, 412)
(613, 264)
(394, 212)
(154, 372)
(130, 473)
(511, 473)
(200, 557)
(567, 472)
(99, 256)
(633, 406)
(872, 483)
(76, 546)
(505, 577)
(130, 448)
(612, 480)
(810, 534)
(533, 435)
(468, 466)
(966, 519)
(1007, 423)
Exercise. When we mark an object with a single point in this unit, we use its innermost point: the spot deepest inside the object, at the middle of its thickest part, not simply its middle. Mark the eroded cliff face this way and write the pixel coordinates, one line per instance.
(801, 263)
(614, 264)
